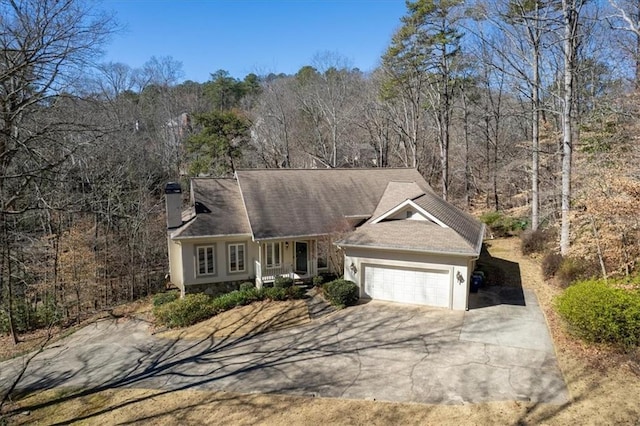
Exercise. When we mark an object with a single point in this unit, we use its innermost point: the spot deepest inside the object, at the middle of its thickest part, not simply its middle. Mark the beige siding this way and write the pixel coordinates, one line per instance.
(175, 265)
(402, 214)
(360, 257)
(222, 274)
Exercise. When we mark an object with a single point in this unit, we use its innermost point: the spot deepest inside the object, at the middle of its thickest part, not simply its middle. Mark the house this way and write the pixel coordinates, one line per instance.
(384, 229)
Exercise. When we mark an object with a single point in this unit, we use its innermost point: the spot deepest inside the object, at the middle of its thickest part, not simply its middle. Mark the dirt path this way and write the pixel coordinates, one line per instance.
(603, 390)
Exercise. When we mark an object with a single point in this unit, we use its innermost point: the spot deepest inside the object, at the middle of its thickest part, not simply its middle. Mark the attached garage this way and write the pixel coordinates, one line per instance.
(422, 287)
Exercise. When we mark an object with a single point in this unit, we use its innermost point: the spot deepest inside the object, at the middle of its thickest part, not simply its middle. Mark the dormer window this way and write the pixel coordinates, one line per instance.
(409, 214)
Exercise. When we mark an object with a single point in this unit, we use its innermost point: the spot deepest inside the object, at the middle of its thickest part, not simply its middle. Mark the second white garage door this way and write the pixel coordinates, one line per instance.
(422, 287)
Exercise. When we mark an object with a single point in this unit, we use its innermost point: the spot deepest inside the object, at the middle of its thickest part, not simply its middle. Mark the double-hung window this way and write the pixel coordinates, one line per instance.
(273, 254)
(206, 258)
(236, 257)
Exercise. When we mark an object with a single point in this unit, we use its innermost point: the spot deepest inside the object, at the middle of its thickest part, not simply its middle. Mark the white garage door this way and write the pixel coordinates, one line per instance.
(422, 287)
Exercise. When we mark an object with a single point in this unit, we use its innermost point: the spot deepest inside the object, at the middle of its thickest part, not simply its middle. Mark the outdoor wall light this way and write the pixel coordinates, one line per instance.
(286, 244)
(459, 277)
(353, 268)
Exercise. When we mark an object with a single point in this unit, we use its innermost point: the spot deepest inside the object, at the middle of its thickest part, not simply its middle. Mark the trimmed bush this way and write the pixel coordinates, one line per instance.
(296, 292)
(198, 307)
(166, 297)
(283, 282)
(317, 280)
(341, 292)
(598, 312)
(186, 311)
(275, 293)
(246, 286)
(231, 300)
(550, 264)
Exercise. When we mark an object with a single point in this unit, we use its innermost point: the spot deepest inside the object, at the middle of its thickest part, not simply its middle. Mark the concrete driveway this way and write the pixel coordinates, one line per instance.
(382, 351)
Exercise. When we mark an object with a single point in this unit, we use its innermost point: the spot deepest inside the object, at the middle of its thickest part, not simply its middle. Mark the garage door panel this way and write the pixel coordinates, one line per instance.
(424, 287)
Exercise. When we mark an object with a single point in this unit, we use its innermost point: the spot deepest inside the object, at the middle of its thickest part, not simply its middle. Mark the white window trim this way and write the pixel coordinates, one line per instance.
(213, 266)
(278, 262)
(244, 257)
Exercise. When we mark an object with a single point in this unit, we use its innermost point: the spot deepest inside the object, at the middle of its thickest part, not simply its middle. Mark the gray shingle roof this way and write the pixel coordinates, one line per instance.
(417, 235)
(286, 202)
(395, 194)
(219, 209)
(279, 203)
(468, 227)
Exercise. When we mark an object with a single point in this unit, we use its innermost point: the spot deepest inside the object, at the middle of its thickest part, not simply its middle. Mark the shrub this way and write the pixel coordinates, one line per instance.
(502, 225)
(341, 292)
(198, 307)
(597, 312)
(317, 280)
(550, 264)
(296, 292)
(49, 313)
(231, 300)
(533, 241)
(275, 293)
(283, 282)
(186, 311)
(328, 276)
(572, 269)
(166, 297)
(247, 286)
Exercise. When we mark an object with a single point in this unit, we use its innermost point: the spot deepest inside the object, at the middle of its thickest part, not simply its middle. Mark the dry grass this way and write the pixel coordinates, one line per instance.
(251, 319)
(602, 386)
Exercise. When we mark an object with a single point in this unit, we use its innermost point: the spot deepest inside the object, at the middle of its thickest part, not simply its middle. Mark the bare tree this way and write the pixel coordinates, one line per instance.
(273, 120)
(571, 14)
(44, 44)
(627, 17)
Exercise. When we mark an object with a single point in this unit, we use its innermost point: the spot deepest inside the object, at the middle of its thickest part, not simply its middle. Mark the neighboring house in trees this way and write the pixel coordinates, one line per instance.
(394, 236)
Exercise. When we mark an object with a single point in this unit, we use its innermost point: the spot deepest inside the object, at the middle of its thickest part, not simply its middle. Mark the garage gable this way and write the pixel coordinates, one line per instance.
(408, 206)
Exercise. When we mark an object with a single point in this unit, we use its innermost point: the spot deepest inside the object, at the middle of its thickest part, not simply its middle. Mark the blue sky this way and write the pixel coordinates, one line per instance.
(246, 36)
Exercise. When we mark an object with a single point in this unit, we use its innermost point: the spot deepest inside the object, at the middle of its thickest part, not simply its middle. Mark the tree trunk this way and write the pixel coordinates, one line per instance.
(9, 284)
(569, 47)
(467, 167)
(535, 133)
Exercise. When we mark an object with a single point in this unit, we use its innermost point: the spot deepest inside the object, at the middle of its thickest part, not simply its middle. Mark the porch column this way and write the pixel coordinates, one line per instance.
(259, 278)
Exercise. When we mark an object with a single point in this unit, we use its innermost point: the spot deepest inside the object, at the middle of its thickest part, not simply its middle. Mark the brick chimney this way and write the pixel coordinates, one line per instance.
(173, 202)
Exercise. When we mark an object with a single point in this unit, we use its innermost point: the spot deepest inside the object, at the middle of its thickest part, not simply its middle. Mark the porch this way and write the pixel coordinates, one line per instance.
(266, 274)
(296, 259)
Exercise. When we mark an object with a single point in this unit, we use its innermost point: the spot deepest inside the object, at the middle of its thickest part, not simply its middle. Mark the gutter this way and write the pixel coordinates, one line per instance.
(445, 253)
(178, 238)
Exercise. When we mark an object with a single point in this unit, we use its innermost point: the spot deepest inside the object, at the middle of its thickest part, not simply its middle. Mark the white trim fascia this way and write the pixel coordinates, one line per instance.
(402, 205)
(443, 253)
(178, 238)
(289, 237)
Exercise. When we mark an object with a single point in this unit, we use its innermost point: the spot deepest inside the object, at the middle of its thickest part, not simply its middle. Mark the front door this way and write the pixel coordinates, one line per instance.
(301, 257)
